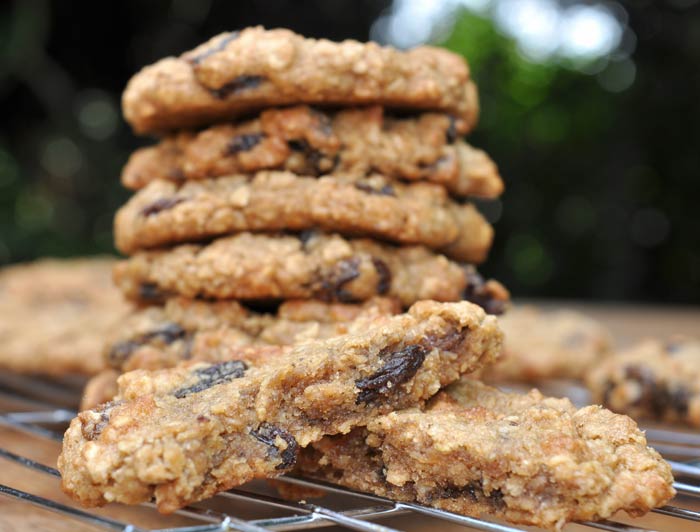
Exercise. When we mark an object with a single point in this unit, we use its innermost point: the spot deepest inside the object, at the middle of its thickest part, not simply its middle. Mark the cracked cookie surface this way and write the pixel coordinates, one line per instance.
(240, 72)
(529, 459)
(652, 380)
(314, 265)
(308, 141)
(166, 213)
(183, 434)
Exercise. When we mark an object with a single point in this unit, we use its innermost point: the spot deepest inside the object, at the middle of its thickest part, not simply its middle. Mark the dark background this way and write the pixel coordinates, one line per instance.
(602, 181)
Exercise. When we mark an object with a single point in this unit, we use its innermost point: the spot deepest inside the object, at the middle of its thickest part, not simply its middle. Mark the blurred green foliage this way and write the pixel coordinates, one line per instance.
(601, 186)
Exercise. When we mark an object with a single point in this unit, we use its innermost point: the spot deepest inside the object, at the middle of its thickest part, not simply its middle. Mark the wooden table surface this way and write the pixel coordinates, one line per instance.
(628, 323)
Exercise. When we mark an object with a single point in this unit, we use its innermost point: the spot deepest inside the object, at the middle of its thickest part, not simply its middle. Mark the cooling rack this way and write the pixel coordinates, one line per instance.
(40, 409)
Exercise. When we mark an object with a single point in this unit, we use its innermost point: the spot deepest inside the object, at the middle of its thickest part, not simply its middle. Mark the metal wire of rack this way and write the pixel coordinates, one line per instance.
(37, 408)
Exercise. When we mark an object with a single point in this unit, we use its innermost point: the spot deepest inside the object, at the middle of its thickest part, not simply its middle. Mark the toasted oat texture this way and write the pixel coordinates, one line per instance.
(183, 434)
(651, 380)
(314, 310)
(529, 459)
(307, 141)
(237, 73)
(184, 329)
(421, 213)
(256, 266)
(54, 315)
(540, 344)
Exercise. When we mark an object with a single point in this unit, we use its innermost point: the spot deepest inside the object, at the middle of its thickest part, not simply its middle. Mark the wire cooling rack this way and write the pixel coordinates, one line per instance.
(39, 409)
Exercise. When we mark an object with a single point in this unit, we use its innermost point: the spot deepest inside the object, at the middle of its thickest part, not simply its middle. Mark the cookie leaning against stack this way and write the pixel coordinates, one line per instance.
(361, 196)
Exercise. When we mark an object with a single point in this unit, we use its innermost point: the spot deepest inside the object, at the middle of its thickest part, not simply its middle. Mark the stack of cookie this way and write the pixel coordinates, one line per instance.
(296, 169)
(333, 219)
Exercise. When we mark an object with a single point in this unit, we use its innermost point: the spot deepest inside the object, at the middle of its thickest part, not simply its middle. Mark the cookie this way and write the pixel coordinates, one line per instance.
(314, 265)
(240, 72)
(183, 434)
(55, 314)
(528, 459)
(539, 344)
(166, 213)
(185, 329)
(652, 380)
(307, 141)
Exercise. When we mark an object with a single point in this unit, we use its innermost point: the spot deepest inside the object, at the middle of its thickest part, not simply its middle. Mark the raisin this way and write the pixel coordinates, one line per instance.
(325, 125)
(238, 84)
(496, 499)
(306, 236)
(385, 190)
(374, 456)
(477, 292)
(446, 342)
(679, 400)
(267, 434)
(400, 366)
(166, 333)
(313, 156)
(298, 145)
(160, 205)
(451, 132)
(177, 175)
(474, 278)
(437, 164)
(384, 282)
(332, 285)
(150, 292)
(475, 492)
(657, 397)
(93, 428)
(212, 376)
(121, 351)
(660, 401)
(642, 375)
(245, 142)
(214, 49)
